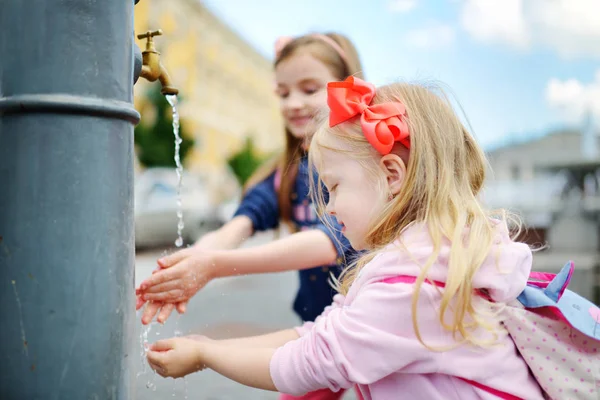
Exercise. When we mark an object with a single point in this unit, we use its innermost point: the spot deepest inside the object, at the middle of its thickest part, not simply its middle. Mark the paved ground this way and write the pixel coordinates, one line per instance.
(229, 307)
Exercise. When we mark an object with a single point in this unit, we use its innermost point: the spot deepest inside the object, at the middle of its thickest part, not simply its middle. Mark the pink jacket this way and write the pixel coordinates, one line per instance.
(367, 337)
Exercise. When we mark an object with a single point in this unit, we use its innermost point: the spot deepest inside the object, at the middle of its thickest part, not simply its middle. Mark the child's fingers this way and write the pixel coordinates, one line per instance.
(182, 307)
(161, 346)
(159, 369)
(155, 359)
(139, 302)
(172, 259)
(150, 311)
(170, 296)
(164, 287)
(161, 276)
(165, 311)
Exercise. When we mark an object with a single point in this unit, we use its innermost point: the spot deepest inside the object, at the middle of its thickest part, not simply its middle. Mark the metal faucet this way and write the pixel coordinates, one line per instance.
(152, 67)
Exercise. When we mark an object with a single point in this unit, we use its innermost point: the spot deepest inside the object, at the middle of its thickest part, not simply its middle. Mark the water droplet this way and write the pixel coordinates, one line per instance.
(179, 242)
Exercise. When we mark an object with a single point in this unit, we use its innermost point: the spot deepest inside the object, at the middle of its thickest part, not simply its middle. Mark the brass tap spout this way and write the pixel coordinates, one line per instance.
(152, 67)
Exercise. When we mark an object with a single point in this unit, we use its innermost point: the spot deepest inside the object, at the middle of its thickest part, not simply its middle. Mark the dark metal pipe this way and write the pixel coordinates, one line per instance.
(66, 199)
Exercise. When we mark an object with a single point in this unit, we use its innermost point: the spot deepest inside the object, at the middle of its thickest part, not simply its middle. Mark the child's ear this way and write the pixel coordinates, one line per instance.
(395, 172)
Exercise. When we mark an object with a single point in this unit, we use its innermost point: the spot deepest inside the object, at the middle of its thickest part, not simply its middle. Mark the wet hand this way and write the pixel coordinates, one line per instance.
(181, 275)
(164, 310)
(176, 357)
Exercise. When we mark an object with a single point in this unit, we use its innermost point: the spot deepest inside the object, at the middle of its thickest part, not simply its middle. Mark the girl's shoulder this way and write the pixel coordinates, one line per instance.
(390, 261)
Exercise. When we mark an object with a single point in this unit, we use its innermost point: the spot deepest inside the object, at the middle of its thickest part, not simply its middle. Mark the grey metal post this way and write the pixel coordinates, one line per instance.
(66, 199)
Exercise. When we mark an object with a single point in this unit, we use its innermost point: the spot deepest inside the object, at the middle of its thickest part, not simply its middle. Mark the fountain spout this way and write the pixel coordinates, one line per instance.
(152, 67)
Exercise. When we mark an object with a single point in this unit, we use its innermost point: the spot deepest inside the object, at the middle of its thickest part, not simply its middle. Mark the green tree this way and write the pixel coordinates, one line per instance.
(156, 142)
(245, 162)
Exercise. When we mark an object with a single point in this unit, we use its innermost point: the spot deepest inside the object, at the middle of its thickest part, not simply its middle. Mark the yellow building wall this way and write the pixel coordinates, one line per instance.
(226, 85)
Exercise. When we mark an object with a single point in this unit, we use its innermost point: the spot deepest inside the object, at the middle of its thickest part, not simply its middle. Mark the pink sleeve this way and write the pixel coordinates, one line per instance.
(361, 342)
(338, 300)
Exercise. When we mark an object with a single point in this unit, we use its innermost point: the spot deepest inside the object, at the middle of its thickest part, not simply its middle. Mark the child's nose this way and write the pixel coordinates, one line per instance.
(294, 101)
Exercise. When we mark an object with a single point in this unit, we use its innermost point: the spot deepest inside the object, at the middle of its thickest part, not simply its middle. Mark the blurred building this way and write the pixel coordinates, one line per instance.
(552, 182)
(225, 84)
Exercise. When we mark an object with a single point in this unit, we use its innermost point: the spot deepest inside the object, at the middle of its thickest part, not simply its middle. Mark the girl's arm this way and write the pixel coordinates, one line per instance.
(298, 251)
(269, 340)
(248, 366)
(229, 236)
(258, 211)
(189, 270)
(179, 357)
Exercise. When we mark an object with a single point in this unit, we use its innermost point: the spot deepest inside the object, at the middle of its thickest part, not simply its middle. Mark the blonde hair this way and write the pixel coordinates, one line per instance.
(288, 161)
(445, 172)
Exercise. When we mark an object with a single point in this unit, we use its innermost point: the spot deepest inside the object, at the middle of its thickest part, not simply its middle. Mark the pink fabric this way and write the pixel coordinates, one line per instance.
(412, 280)
(563, 360)
(367, 337)
(323, 394)
(542, 276)
(543, 279)
(338, 300)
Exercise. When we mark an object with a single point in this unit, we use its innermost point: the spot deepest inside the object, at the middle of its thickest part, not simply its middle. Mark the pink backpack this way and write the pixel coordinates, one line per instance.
(557, 333)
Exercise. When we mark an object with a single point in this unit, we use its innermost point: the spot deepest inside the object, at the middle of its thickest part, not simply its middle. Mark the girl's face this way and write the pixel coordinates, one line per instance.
(354, 196)
(360, 185)
(301, 81)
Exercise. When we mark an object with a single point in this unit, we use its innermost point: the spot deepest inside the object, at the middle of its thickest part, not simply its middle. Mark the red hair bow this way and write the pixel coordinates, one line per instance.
(382, 124)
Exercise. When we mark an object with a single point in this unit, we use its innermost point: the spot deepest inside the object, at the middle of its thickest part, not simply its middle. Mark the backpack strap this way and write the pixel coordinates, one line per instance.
(495, 392)
(412, 279)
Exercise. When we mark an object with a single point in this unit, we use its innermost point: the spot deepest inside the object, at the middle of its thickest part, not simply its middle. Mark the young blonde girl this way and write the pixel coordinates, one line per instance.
(278, 192)
(412, 320)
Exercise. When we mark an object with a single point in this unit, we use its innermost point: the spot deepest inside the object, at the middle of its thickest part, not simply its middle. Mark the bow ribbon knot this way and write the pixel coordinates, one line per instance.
(382, 124)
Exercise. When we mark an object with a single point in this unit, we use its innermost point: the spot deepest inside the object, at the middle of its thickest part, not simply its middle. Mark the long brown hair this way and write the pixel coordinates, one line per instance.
(287, 162)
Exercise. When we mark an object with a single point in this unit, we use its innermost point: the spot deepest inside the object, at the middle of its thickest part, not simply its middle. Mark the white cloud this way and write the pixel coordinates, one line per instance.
(496, 21)
(569, 27)
(433, 36)
(573, 99)
(401, 6)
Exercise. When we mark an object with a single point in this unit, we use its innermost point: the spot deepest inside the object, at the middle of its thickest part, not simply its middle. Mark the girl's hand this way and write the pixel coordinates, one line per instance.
(181, 276)
(176, 357)
(164, 310)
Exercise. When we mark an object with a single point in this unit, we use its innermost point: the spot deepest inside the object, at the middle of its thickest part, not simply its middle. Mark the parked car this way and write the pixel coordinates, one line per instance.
(156, 208)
